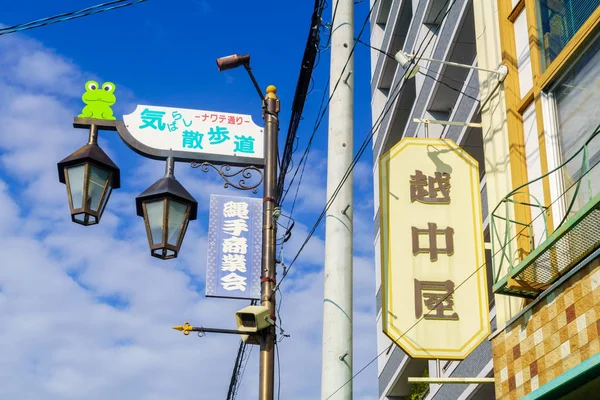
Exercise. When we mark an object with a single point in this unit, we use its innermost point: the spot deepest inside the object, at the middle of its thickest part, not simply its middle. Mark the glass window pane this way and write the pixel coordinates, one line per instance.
(105, 199)
(577, 97)
(177, 212)
(75, 176)
(559, 21)
(154, 211)
(98, 178)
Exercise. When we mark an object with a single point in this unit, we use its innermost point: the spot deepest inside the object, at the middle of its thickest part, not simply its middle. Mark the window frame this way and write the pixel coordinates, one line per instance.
(552, 132)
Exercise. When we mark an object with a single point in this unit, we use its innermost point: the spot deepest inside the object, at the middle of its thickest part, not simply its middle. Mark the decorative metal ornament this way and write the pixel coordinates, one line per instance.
(223, 170)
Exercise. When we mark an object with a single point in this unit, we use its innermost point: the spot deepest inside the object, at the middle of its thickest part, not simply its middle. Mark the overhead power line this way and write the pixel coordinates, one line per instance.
(239, 366)
(302, 89)
(237, 369)
(369, 137)
(323, 110)
(320, 115)
(84, 12)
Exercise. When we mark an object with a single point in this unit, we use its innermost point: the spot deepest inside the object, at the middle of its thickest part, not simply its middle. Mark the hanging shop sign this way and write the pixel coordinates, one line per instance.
(434, 286)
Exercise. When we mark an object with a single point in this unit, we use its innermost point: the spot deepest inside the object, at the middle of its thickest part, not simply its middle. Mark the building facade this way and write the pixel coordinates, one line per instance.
(440, 30)
(542, 147)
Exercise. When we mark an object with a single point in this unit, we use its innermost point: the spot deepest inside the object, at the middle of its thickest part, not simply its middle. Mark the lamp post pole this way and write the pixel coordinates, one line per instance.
(267, 340)
(270, 104)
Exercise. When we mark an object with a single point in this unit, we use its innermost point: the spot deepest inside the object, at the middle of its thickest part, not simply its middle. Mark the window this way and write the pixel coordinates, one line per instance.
(576, 98)
(559, 20)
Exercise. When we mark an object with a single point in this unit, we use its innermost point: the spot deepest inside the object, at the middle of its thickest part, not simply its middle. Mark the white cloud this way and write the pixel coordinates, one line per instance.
(27, 63)
(87, 313)
(312, 193)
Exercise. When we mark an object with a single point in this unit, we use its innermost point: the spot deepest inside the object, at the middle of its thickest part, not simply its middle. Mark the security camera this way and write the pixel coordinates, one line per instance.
(253, 319)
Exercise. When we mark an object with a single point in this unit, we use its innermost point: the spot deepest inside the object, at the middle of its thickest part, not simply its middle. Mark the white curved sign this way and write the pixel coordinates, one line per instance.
(209, 134)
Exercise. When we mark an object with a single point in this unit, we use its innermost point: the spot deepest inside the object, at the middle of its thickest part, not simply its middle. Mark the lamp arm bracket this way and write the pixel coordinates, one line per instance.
(187, 328)
(254, 82)
(502, 70)
(244, 182)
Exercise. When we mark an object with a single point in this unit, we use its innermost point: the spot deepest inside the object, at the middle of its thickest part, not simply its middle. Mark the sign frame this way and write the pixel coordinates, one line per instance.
(405, 336)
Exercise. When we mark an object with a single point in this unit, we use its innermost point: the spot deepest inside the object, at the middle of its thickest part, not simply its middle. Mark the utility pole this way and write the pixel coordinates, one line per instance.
(337, 303)
(267, 339)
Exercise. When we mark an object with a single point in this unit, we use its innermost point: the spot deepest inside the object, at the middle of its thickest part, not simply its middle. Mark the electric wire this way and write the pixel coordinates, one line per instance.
(245, 362)
(462, 83)
(369, 136)
(238, 371)
(460, 284)
(489, 97)
(450, 86)
(303, 89)
(84, 12)
(320, 115)
(278, 370)
(332, 22)
(398, 89)
(234, 378)
(322, 111)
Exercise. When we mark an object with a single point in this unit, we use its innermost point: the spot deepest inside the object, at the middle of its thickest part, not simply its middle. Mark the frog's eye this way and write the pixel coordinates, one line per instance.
(109, 87)
(92, 85)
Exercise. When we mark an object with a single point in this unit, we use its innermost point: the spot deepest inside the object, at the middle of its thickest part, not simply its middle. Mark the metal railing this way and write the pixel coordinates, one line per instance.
(530, 268)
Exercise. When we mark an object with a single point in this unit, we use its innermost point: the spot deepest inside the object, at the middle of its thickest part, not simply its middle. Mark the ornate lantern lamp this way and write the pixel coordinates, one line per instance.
(90, 176)
(167, 209)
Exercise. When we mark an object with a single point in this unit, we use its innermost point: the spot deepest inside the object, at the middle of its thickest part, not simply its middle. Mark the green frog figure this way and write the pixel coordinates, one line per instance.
(98, 100)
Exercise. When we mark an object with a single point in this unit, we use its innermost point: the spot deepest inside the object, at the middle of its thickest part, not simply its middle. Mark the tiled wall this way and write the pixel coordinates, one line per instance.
(556, 334)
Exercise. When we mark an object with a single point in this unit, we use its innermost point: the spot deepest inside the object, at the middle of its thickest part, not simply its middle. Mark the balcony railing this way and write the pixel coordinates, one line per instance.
(532, 269)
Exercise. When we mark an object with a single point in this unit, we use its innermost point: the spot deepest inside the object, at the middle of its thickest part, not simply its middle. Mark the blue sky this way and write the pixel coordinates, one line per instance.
(88, 310)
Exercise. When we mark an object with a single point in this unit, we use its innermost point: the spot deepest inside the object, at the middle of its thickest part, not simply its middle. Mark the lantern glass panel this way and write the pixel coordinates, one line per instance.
(75, 175)
(105, 198)
(155, 214)
(97, 181)
(177, 214)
